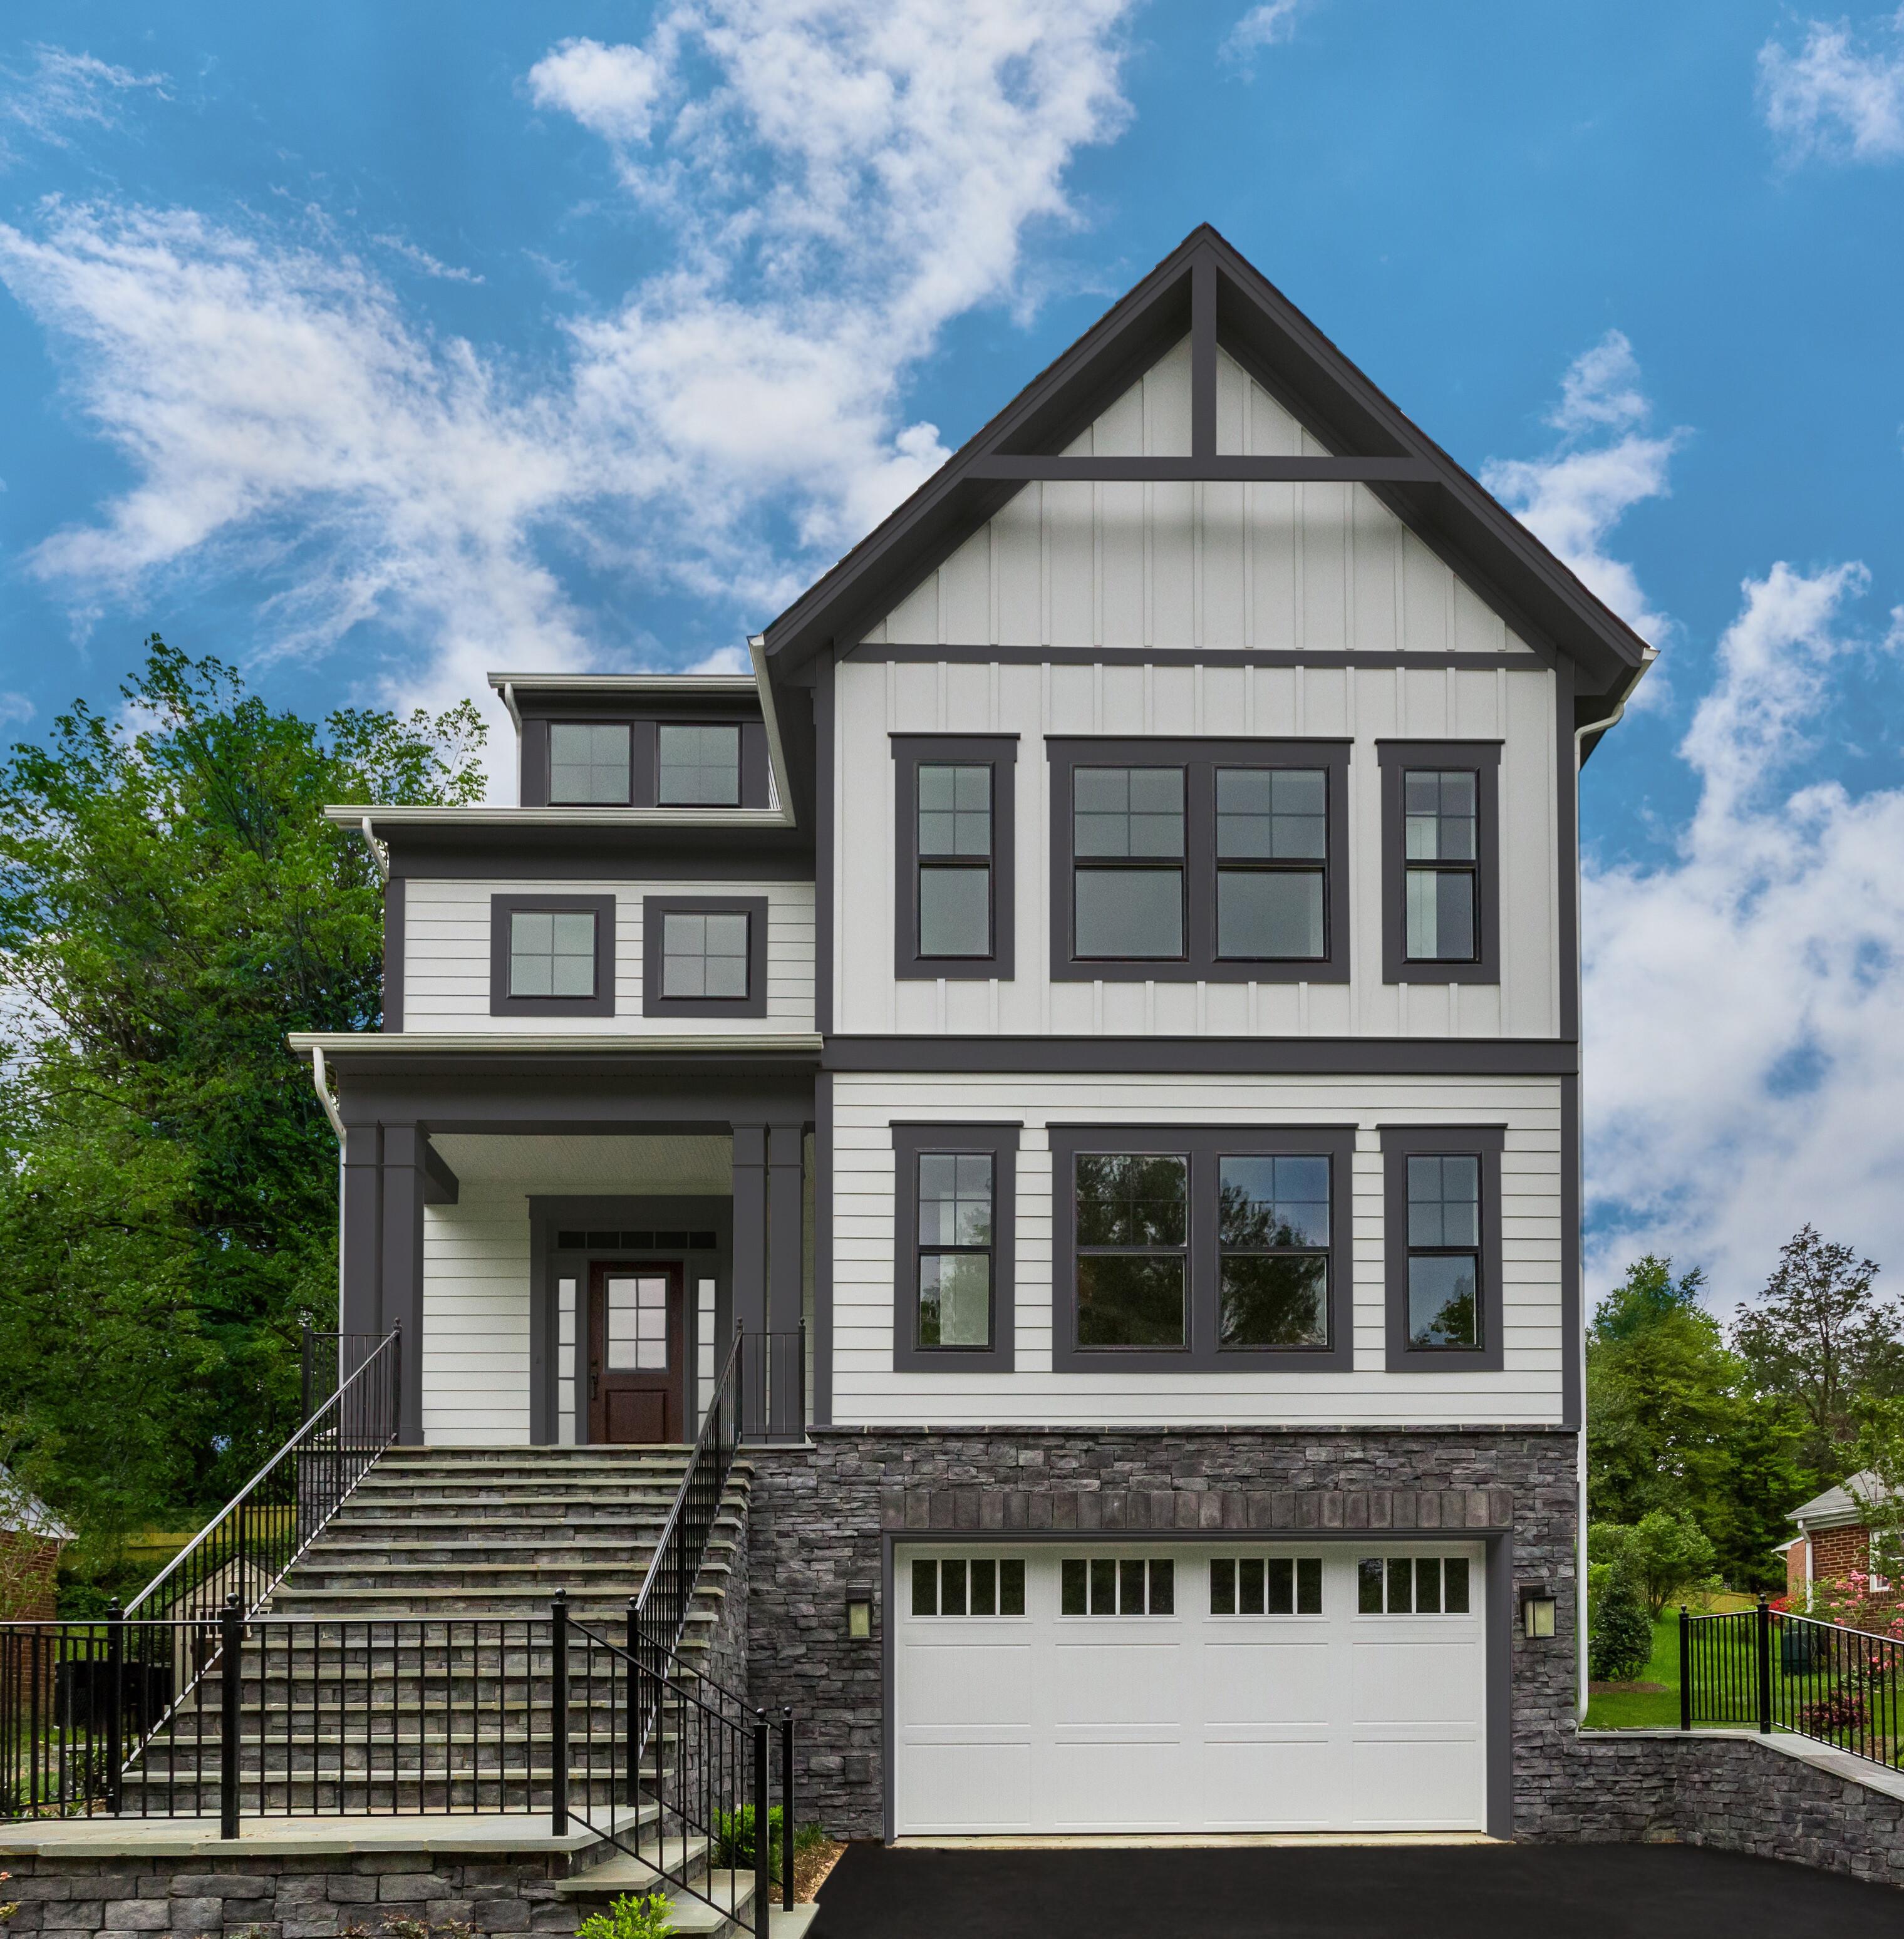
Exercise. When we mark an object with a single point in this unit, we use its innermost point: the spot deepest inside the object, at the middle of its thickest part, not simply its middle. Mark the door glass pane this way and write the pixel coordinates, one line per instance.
(1163, 1587)
(588, 763)
(1442, 1309)
(1129, 914)
(1011, 1587)
(954, 809)
(1130, 1588)
(985, 1588)
(1223, 1588)
(699, 767)
(1269, 914)
(925, 1588)
(1427, 1584)
(1281, 1598)
(1250, 1574)
(952, 1588)
(637, 1324)
(954, 912)
(1070, 1588)
(1104, 1587)
(1401, 1581)
(1130, 1300)
(1368, 1585)
(1454, 1585)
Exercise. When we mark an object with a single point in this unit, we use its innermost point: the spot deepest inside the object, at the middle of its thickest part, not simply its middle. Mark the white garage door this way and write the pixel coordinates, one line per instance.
(1239, 1687)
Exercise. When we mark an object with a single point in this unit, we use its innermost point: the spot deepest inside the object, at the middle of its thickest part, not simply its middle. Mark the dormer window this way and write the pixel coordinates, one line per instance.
(699, 767)
(589, 763)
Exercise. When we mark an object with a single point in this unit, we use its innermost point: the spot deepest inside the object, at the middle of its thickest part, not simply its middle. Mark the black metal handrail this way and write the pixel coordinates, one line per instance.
(1772, 1670)
(326, 1360)
(695, 1783)
(246, 1549)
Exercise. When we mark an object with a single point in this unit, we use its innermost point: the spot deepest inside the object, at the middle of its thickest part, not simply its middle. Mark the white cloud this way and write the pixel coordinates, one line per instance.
(1834, 98)
(840, 179)
(1744, 999)
(1268, 25)
(1572, 498)
(59, 89)
(420, 259)
(14, 707)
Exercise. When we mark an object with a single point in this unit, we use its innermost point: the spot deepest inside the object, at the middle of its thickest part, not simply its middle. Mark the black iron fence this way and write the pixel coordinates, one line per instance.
(773, 1386)
(1772, 1669)
(245, 1550)
(327, 1360)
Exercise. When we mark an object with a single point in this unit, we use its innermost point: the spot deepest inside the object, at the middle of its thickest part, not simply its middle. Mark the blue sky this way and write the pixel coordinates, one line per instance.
(374, 348)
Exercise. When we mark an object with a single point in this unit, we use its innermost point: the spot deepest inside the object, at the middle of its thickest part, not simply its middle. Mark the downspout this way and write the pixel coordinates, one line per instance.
(323, 1087)
(1581, 1693)
(515, 718)
(379, 861)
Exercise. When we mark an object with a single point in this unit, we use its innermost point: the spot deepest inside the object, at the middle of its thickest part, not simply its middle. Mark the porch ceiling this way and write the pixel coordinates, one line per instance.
(624, 1167)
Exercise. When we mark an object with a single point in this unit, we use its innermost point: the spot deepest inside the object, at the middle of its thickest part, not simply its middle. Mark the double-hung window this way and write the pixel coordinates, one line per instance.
(954, 1232)
(953, 900)
(1441, 887)
(698, 766)
(552, 956)
(1205, 1247)
(1199, 860)
(704, 956)
(589, 763)
(1441, 1233)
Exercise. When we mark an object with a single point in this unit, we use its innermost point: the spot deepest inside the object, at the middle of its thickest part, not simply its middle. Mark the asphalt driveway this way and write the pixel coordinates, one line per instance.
(1472, 1892)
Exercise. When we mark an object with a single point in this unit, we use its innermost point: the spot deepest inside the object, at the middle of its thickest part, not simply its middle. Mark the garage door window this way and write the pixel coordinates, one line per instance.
(1103, 1585)
(958, 1586)
(1417, 1585)
(1259, 1585)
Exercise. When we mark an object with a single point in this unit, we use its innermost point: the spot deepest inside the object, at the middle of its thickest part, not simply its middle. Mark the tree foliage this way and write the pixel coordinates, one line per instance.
(172, 903)
(1619, 1645)
(1666, 1550)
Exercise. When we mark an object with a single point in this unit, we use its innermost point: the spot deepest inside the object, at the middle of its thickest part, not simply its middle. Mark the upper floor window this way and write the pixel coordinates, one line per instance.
(589, 763)
(953, 1232)
(1441, 887)
(704, 956)
(697, 767)
(953, 898)
(1194, 1246)
(552, 956)
(1441, 1232)
(1205, 860)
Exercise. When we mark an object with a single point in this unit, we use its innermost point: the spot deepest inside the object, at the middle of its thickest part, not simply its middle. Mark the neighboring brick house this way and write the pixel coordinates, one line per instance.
(31, 1538)
(1834, 1537)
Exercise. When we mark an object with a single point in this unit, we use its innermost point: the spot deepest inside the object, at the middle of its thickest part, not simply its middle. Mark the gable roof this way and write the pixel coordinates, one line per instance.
(1849, 1501)
(1206, 290)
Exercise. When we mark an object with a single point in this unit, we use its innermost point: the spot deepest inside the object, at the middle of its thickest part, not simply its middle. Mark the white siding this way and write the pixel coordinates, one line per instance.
(867, 1392)
(1179, 567)
(446, 956)
(476, 1320)
(1199, 695)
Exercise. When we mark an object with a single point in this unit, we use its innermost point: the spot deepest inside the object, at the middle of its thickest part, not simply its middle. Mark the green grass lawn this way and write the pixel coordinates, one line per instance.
(1643, 1709)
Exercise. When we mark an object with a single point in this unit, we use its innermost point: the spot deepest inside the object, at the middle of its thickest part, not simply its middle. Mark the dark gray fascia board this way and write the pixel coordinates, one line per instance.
(1215, 470)
(1207, 1056)
(1544, 601)
(606, 854)
(1209, 658)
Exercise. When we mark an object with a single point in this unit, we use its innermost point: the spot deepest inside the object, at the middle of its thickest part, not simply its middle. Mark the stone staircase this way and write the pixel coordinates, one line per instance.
(421, 1679)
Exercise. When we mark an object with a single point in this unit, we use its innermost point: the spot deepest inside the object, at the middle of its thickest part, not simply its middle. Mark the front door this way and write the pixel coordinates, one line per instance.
(637, 1335)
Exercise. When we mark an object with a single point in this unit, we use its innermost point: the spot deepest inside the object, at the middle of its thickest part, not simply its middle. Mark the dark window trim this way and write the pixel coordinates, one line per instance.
(1399, 1142)
(1200, 757)
(1000, 753)
(1483, 758)
(654, 909)
(999, 1142)
(1204, 1144)
(602, 1004)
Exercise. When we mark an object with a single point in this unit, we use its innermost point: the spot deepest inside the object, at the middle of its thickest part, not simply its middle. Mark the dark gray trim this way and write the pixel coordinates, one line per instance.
(750, 1227)
(1203, 1056)
(1000, 1143)
(1203, 364)
(393, 954)
(823, 726)
(822, 1398)
(878, 652)
(785, 1252)
(755, 791)
(1483, 758)
(1212, 469)
(602, 1004)
(360, 1279)
(545, 1339)
(1199, 757)
(656, 909)
(532, 764)
(1497, 1622)
(1566, 819)
(601, 854)
(1573, 1344)
(998, 752)
(1398, 1144)
(402, 1267)
(440, 1187)
(1203, 1144)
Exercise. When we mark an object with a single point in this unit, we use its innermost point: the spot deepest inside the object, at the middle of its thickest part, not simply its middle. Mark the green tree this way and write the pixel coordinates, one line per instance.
(172, 903)
(1666, 1550)
(1620, 1644)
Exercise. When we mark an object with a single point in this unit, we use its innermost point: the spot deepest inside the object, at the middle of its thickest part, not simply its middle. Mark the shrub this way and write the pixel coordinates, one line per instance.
(646, 1918)
(733, 1840)
(1621, 1645)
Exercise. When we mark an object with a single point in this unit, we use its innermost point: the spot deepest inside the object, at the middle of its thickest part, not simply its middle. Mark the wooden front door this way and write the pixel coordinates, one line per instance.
(637, 1353)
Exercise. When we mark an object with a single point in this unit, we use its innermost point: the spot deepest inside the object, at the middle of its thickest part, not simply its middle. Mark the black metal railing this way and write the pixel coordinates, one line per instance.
(326, 1360)
(245, 1549)
(1772, 1669)
(675, 1769)
(773, 1386)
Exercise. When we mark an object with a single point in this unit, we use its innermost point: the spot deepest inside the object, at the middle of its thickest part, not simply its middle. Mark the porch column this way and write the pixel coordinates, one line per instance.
(750, 1229)
(403, 1186)
(359, 1291)
(785, 1255)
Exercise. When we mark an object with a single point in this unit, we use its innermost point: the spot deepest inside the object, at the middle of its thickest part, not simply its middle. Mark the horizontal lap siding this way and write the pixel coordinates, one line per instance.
(867, 1392)
(447, 947)
(476, 1320)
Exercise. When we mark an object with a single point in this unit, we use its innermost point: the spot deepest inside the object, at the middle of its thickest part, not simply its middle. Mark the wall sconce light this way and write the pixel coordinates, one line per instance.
(1538, 1610)
(859, 1615)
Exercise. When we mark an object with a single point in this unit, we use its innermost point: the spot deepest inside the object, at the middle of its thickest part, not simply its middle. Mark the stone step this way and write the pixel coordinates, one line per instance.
(411, 1795)
(627, 1875)
(523, 1551)
(319, 1572)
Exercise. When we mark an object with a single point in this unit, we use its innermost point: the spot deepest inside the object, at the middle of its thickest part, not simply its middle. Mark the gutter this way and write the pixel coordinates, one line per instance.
(319, 1044)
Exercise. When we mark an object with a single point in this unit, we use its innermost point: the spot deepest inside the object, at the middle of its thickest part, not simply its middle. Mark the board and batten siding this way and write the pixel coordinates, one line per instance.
(446, 955)
(476, 1320)
(867, 1392)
